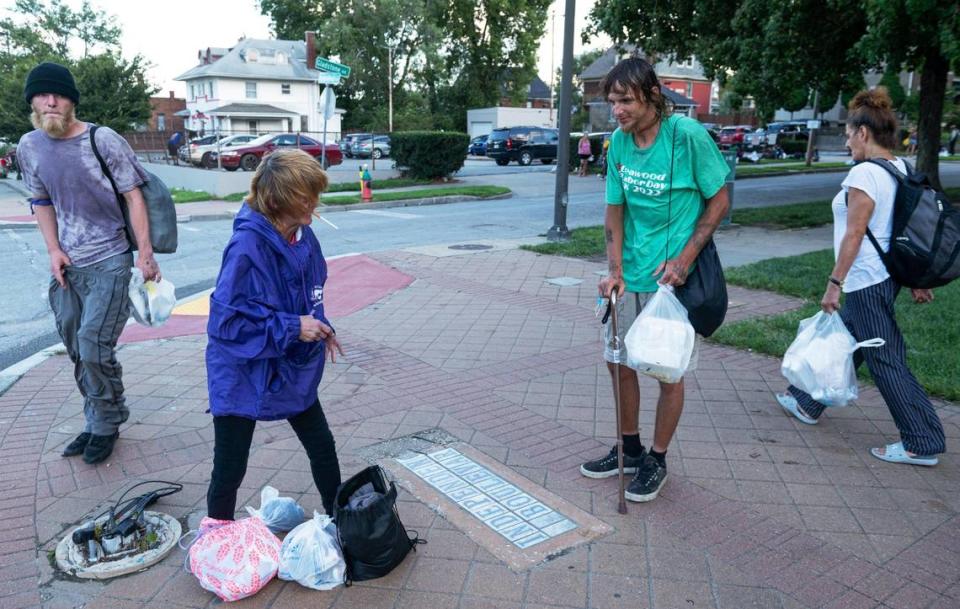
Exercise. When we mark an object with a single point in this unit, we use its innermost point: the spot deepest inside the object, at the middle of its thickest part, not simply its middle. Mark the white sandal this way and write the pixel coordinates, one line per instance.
(896, 453)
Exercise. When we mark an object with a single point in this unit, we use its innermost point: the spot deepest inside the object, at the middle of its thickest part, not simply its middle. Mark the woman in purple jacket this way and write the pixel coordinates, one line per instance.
(268, 336)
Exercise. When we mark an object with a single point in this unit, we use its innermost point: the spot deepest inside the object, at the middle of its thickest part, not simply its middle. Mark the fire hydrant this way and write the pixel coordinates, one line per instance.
(366, 184)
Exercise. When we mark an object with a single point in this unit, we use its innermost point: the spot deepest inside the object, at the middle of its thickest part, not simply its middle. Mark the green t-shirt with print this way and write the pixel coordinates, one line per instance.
(656, 225)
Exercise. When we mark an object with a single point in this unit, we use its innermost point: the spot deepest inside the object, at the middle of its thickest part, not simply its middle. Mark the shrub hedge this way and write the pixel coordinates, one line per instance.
(428, 154)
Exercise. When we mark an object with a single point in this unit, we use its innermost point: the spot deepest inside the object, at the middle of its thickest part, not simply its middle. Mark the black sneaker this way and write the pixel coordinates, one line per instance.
(99, 448)
(607, 466)
(646, 485)
(76, 447)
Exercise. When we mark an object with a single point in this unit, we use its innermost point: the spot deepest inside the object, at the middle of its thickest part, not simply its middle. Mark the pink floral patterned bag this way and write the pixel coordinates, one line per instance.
(234, 559)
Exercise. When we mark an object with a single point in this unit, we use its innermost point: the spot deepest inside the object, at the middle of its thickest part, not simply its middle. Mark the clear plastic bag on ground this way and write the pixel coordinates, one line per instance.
(660, 341)
(152, 301)
(820, 359)
(280, 514)
(234, 559)
(310, 555)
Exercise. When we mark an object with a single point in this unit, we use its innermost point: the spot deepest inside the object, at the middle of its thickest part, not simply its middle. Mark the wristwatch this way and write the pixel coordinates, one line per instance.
(836, 282)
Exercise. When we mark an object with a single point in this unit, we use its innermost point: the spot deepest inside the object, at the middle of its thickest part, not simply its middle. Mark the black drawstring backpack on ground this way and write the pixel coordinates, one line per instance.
(372, 538)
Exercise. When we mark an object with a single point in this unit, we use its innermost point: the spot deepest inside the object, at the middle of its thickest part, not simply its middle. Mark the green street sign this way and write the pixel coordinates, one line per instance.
(330, 66)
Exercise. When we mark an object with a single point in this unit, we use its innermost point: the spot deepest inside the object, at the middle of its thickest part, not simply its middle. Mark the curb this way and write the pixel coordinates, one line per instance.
(229, 215)
(788, 172)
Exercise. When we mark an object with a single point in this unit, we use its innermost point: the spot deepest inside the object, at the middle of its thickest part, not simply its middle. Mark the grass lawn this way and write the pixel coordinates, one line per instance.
(930, 334)
(189, 196)
(798, 215)
(405, 195)
(352, 186)
(798, 167)
(584, 243)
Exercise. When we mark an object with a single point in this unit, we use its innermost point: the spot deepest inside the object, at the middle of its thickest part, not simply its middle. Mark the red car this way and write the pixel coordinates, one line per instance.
(733, 135)
(248, 156)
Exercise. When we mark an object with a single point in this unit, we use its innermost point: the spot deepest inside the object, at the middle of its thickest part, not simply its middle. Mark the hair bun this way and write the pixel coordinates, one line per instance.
(877, 99)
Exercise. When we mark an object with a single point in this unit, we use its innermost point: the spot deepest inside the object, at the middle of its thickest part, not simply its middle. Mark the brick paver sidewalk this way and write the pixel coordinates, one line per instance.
(759, 511)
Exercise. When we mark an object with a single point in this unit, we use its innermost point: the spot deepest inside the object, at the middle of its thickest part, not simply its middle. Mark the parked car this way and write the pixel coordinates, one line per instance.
(187, 149)
(478, 146)
(733, 135)
(248, 156)
(756, 139)
(380, 145)
(523, 145)
(201, 155)
(774, 130)
(348, 141)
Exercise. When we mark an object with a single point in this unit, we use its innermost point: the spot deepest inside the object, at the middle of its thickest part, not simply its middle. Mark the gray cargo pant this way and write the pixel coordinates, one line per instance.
(90, 314)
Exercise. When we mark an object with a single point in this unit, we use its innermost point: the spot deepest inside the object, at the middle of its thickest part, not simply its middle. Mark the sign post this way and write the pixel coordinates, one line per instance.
(328, 105)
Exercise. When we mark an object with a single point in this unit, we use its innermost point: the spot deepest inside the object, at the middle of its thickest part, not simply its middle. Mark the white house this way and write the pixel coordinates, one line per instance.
(258, 86)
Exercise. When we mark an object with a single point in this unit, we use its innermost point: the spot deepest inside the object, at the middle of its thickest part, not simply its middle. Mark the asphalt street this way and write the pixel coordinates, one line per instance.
(26, 324)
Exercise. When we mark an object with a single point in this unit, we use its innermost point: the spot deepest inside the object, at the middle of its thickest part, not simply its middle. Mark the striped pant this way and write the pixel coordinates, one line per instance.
(868, 313)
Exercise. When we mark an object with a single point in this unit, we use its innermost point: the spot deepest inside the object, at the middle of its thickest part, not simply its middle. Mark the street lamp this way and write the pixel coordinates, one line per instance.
(559, 230)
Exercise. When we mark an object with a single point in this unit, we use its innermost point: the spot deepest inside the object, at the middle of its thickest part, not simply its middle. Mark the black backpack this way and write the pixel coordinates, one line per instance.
(925, 236)
(160, 207)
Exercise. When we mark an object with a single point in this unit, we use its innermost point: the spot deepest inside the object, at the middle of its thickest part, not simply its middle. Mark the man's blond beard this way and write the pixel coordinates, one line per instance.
(54, 126)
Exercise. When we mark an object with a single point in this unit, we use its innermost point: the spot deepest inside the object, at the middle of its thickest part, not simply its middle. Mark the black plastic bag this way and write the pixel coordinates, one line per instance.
(705, 292)
(372, 537)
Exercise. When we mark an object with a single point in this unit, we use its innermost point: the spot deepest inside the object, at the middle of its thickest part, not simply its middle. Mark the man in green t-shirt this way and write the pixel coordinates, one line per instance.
(665, 197)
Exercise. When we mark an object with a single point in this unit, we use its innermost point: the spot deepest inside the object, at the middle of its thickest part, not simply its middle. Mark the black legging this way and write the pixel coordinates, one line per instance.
(232, 438)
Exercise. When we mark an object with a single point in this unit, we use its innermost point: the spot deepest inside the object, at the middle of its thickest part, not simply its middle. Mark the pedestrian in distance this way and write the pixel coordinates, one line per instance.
(912, 142)
(583, 151)
(268, 335)
(665, 197)
(866, 201)
(952, 142)
(83, 227)
(173, 146)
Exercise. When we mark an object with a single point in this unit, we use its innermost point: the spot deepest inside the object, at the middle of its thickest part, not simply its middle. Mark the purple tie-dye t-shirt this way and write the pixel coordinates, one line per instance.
(89, 221)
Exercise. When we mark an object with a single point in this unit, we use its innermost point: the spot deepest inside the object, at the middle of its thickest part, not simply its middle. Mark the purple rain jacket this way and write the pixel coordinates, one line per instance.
(257, 367)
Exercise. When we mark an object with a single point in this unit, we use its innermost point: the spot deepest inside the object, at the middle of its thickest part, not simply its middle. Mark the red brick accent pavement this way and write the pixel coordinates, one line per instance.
(759, 511)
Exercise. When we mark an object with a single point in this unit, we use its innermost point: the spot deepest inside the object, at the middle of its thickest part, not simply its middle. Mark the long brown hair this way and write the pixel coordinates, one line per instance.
(637, 76)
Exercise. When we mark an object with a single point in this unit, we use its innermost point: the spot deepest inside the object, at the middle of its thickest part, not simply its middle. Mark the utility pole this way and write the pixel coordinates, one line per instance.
(812, 132)
(559, 230)
(389, 90)
(553, 70)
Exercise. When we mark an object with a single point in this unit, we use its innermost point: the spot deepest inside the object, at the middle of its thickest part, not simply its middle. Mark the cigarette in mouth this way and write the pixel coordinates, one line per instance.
(317, 215)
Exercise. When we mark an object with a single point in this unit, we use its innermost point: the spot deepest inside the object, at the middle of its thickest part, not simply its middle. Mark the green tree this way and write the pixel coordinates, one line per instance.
(779, 48)
(581, 62)
(455, 53)
(113, 91)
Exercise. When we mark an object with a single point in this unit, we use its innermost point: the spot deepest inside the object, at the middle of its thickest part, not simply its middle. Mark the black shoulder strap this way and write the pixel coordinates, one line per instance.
(103, 164)
(898, 175)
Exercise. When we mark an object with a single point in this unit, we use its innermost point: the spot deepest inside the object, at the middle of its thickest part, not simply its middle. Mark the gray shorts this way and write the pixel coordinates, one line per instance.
(628, 308)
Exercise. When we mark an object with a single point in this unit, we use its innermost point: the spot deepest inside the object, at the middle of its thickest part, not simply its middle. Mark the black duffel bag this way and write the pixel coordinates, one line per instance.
(373, 539)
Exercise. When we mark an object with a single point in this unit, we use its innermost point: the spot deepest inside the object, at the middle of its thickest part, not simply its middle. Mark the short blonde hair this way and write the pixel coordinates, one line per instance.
(287, 184)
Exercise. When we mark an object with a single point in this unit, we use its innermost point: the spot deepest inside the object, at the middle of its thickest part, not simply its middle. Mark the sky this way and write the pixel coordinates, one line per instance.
(169, 33)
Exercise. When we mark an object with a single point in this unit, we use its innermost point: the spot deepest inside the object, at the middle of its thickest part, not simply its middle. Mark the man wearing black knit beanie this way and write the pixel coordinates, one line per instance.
(84, 230)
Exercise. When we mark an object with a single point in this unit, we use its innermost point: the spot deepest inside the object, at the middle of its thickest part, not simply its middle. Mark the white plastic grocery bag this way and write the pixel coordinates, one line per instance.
(311, 556)
(152, 301)
(820, 359)
(660, 341)
(280, 514)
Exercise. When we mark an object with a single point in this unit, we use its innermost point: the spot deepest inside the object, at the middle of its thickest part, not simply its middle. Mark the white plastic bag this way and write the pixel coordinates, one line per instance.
(280, 514)
(660, 341)
(152, 301)
(820, 359)
(311, 556)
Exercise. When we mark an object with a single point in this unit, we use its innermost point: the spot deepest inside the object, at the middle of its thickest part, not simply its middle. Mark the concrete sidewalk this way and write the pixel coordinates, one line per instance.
(475, 351)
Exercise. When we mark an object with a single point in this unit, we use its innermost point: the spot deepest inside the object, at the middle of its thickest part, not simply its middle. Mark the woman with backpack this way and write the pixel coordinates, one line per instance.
(268, 335)
(864, 202)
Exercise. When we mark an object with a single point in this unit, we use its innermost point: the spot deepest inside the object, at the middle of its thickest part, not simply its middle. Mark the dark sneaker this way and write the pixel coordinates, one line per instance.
(76, 447)
(646, 485)
(607, 466)
(99, 448)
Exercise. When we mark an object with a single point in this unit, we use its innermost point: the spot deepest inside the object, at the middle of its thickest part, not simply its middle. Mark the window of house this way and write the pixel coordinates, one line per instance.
(285, 88)
(161, 122)
(193, 93)
(252, 126)
(251, 90)
(690, 90)
(210, 89)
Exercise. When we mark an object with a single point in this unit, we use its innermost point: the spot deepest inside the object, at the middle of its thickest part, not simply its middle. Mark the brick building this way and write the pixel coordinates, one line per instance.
(164, 113)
